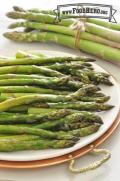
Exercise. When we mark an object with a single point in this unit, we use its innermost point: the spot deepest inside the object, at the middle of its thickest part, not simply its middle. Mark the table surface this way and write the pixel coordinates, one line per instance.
(109, 170)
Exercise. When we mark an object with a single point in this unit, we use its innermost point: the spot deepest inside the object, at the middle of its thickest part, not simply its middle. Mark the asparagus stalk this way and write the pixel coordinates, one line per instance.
(5, 96)
(99, 50)
(85, 115)
(12, 102)
(73, 85)
(81, 106)
(66, 67)
(69, 31)
(16, 138)
(48, 117)
(38, 82)
(87, 76)
(110, 25)
(35, 10)
(10, 129)
(9, 145)
(42, 60)
(67, 123)
(46, 18)
(30, 69)
(64, 127)
(24, 76)
(39, 17)
(18, 118)
(30, 89)
(12, 145)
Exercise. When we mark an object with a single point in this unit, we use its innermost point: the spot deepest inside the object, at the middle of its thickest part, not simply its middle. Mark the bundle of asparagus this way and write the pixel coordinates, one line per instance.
(100, 38)
(48, 102)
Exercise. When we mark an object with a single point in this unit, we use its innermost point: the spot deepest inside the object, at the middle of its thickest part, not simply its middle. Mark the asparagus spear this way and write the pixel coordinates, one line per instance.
(30, 69)
(30, 89)
(35, 10)
(10, 129)
(16, 138)
(24, 76)
(99, 50)
(12, 102)
(81, 106)
(38, 82)
(44, 18)
(65, 127)
(18, 118)
(88, 116)
(67, 31)
(42, 61)
(71, 84)
(65, 67)
(59, 115)
(9, 145)
(12, 145)
(67, 123)
(86, 130)
(85, 98)
(109, 25)
(90, 75)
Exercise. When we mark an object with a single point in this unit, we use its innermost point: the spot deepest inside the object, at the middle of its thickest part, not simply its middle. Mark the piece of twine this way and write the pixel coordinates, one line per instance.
(79, 27)
(93, 165)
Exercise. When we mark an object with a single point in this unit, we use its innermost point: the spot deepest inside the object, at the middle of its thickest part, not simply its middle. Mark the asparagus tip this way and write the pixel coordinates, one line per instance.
(11, 35)
(11, 26)
(108, 107)
(69, 143)
(12, 14)
(17, 8)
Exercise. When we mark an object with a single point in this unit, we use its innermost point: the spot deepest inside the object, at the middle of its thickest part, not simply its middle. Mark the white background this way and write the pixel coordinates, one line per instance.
(109, 171)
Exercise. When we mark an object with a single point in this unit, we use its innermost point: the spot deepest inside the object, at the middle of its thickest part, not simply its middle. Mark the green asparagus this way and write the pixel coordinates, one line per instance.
(11, 129)
(46, 18)
(31, 89)
(18, 118)
(99, 50)
(11, 145)
(5, 96)
(70, 31)
(82, 106)
(13, 102)
(90, 75)
(109, 25)
(43, 61)
(36, 82)
(29, 69)
(66, 123)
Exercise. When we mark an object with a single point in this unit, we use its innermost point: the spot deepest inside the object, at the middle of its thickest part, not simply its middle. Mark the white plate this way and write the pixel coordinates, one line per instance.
(107, 116)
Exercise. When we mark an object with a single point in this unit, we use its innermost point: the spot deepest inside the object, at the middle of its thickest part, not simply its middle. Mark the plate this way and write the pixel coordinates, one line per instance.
(107, 116)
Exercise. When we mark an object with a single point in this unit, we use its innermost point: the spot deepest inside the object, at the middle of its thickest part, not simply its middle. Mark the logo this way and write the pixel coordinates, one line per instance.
(85, 10)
